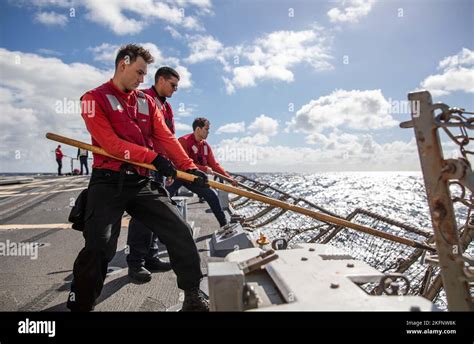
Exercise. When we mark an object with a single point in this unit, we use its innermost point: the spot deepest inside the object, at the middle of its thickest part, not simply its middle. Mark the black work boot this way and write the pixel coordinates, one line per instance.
(156, 265)
(139, 274)
(194, 301)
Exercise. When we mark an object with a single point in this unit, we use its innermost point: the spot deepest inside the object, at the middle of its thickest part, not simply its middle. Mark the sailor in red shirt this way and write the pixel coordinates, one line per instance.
(127, 124)
(166, 83)
(143, 256)
(59, 159)
(200, 151)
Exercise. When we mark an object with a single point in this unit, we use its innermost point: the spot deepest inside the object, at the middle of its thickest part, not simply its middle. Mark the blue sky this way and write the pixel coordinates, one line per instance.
(300, 86)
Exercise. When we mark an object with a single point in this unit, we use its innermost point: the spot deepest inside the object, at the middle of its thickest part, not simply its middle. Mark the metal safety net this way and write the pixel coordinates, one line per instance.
(384, 255)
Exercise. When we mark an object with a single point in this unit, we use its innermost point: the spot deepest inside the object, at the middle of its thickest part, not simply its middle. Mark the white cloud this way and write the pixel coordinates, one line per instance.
(204, 4)
(464, 58)
(457, 74)
(335, 137)
(236, 127)
(132, 16)
(229, 87)
(33, 90)
(337, 151)
(246, 76)
(49, 52)
(184, 77)
(185, 109)
(347, 145)
(270, 57)
(350, 11)
(255, 140)
(45, 3)
(107, 52)
(204, 48)
(173, 32)
(264, 125)
(41, 94)
(183, 127)
(105, 14)
(363, 110)
(51, 18)
(351, 153)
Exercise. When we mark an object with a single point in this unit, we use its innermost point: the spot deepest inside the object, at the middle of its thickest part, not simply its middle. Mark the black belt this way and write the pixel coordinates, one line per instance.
(126, 171)
(111, 173)
(155, 183)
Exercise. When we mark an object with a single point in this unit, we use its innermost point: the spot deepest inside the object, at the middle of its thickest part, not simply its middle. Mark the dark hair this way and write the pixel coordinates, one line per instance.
(166, 72)
(200, 122)
(133, 51)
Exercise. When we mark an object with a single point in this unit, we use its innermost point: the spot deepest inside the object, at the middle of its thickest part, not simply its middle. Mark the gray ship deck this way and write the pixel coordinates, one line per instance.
(36, 212)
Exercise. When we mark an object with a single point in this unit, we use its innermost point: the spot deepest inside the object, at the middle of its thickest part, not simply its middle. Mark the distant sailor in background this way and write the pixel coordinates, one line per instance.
(82, 155)
(59, 159)
(200, 151)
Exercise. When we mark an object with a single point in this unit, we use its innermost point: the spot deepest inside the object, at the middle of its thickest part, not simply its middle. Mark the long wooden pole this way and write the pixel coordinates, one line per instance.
(230, 180)
(258, 197)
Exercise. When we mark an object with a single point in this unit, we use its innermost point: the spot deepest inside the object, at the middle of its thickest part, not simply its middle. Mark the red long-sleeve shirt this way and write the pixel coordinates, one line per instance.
(200, 159)
(59, 154)
(163, 106)
(103, 134)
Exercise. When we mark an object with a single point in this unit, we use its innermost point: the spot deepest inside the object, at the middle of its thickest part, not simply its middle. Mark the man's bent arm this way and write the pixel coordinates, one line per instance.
(212, 162)
(168, 142)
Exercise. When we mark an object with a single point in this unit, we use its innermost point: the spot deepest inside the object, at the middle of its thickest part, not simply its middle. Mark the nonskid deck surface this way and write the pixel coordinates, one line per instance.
(39, 249)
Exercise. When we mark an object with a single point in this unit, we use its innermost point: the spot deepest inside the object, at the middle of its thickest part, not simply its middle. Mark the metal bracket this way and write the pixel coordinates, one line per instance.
(459, 169)
(257, 262)
(227, 230)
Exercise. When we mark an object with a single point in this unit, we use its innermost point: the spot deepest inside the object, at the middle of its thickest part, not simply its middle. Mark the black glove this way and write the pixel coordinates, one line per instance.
(201, 181)
(164, 166)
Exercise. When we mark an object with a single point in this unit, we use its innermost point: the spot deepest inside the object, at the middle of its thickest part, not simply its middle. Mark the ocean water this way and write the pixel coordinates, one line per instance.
(398, 196)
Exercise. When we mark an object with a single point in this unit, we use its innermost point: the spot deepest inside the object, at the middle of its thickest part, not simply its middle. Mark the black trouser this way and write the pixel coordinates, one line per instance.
(142, 243)
(60, 165)
(104, 210)
(83, 160)
(208, 194)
